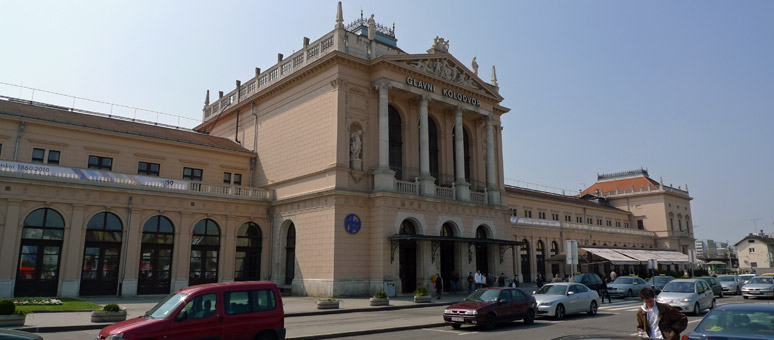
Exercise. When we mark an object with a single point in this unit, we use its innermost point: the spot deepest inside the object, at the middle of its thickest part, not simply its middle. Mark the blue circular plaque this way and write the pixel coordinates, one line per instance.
(352, 224)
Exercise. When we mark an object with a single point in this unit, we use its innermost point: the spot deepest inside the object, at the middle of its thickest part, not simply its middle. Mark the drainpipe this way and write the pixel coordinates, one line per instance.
(255, 141)
(125, 244)
(18, 140)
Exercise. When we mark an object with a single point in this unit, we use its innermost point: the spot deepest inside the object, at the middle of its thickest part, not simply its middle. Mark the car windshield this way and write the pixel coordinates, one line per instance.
(552, 290)
(489, 295)
(726, 278)
(577, 278)
(661, 279)
(623, 281)
(746, 277)
(768, 280)
(679, 287)
(164, 308)
(737, 322)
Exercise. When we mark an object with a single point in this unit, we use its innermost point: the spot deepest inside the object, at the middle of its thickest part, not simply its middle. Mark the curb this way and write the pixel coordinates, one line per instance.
(366, 332)
(58, 329)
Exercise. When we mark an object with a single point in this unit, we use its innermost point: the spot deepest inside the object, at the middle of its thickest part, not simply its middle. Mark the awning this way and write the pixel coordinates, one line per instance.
(612, 256)
(662, 256)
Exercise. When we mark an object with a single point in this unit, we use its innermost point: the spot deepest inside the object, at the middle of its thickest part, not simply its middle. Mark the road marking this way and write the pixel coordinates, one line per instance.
(697, 320)
(448, 331)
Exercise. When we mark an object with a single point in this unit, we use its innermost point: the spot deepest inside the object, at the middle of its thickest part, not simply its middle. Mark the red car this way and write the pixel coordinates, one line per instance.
(489, 306)
(234, 310)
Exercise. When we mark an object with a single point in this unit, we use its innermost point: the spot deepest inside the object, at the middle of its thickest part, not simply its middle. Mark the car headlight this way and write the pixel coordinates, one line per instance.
(447, 311)
(118, 336)
(687, 300)
(471, 312)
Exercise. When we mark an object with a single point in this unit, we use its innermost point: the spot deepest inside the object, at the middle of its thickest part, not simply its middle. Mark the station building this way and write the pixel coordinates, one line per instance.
(347, 168)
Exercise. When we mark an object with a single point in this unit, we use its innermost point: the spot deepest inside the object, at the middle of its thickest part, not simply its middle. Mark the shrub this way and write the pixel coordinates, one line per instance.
(380, 294)
(111, 308)
(7, 307)
(421, 291)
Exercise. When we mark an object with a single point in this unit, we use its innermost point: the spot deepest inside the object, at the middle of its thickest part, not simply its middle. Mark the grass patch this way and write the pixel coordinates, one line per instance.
(67, 304)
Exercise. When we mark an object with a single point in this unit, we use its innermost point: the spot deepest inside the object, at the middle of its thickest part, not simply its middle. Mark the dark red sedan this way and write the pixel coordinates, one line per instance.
(489, 306)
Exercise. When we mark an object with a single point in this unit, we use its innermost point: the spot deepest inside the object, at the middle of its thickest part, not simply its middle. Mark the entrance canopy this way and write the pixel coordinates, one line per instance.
(611, 255)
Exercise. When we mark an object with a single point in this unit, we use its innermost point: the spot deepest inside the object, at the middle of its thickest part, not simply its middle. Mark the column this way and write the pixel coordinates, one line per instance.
(463, 188)
(71, 259)
(181, 258)
(131, 263)
(426, 181)
(384, 178)
(9, 241)
(493, 190)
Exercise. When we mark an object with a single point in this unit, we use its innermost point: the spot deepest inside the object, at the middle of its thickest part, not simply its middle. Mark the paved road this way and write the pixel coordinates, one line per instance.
(617, 318)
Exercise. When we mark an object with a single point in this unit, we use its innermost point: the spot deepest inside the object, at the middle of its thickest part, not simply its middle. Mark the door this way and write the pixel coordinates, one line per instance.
(99, 274)
(248, 253)
(39, 254)
(290, 255)
(155, 270)
(249, 312)
(707, 296)
(574, 300)
(525, 270)
(407, 270)
(447, 257)
(202, 321)
(520, 304)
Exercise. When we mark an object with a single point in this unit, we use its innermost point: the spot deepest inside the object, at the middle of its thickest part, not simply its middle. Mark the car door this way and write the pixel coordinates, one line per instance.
(202, 319)
(585, 295)
(706, 296)
(574, 299)
(639, 284)
(520, 303)
(504, 309)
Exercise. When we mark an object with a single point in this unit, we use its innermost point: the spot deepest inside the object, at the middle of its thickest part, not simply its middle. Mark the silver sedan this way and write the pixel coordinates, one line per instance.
(559, 299)
(731, 284)
(759, 286)
(626, 286)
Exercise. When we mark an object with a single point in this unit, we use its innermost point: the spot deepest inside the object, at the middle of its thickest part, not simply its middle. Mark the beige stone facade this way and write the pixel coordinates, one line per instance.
(360, 165)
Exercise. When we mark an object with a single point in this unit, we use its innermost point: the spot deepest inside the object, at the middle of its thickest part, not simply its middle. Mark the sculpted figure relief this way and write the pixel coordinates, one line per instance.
(356, 144)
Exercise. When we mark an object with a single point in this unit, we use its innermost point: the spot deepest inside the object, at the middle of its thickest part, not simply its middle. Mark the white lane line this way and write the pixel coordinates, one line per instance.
(442, 330)
(697, 320)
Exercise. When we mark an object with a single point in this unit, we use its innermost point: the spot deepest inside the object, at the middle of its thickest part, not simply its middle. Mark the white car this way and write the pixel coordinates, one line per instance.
(746, 278)
(759, 286)
(688, 295)
(731, 284)
(561, 298)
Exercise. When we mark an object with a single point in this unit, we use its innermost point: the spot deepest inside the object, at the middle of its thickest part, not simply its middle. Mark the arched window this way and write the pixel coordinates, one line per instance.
(158, 239)
(101, 255)
(554, 248)
(525, 270)
(39, 254)
(395, 142)
(248, 252)
(408, 258)
(448, 255)
(290, 255)
(205, 249)
(447, 230)
(540, 257)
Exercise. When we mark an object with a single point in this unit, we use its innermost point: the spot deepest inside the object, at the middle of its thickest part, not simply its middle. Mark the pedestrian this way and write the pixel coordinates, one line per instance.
(490, 280)
(501, 280)
(556, 278)
(612, 275)
(658, 320)
(516, 280)
(539, 282)
(438, 286)
(471, 282)
(455, 279)
(603, 290)
(479, 279)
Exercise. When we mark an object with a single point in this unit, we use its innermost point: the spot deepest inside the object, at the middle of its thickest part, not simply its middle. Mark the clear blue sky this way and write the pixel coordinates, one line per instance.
(685, 89)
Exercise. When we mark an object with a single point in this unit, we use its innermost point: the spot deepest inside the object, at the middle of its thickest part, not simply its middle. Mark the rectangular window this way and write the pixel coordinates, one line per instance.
(640, 225)
(192, 174)
(609, 223)
(513, 212)
(753, 264)
(750, 241)
(567, 218)
(38, 155)
(227, 178)
(53, 157)
(752, 250)
(237, 179)
(101, 163)
(249, 301)
(528, 213)
(542, 215)
(149, 169)
(555, 217)
(590, 220)
(617, 224)
(599, 221)
(626, 224)
(1, 149)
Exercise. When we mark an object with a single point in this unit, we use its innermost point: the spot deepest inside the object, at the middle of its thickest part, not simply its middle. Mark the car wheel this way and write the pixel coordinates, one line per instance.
(266, 336)
(738, 291)
(559, 312)
(745, 297)
(713, 305)
(593, 308)
(629, 293)
(530, 317)
(456, 326)
(490, 322)
(696, 309)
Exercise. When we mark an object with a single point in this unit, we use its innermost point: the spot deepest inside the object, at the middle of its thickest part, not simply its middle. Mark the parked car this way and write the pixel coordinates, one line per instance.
(488, 306)
(591, 280)
(243, 310)
(759, 286)
(688, 295)
(562, 298)
(746, 278)
(657, 283)
(717, 289)
(743, 321)
(731, 284)
(10, 334)
(626, 286)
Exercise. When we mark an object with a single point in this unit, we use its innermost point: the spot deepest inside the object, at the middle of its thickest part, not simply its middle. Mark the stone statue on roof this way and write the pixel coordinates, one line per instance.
(371, 28)
(440, 45)
(474, 66)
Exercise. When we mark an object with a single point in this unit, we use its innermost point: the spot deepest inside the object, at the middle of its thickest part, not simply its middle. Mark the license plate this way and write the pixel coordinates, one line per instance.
(458, 319)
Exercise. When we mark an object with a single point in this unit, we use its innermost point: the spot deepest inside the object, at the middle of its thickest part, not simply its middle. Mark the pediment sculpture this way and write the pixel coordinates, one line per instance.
(444, 69)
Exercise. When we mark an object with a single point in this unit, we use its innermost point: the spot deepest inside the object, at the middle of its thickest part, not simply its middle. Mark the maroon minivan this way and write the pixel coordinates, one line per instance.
(233, 310)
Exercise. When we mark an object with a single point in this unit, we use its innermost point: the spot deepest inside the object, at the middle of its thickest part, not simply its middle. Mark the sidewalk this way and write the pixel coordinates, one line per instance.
(303, 320)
